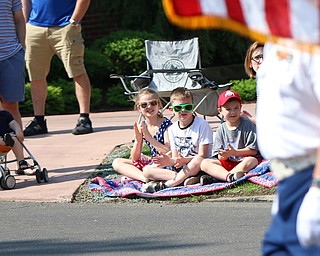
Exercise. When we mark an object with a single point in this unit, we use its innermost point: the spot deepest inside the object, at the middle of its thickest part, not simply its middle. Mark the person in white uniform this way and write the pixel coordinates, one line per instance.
(288, 129)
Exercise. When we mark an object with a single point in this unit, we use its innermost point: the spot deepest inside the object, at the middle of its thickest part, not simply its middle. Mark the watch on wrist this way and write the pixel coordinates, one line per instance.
(316, 182)
(73, 22)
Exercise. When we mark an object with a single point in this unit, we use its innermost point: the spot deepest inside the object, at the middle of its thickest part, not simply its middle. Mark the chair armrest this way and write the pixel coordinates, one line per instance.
(135, 84)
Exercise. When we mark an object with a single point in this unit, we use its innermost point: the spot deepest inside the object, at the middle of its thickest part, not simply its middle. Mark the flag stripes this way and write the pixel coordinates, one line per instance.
(275, 20)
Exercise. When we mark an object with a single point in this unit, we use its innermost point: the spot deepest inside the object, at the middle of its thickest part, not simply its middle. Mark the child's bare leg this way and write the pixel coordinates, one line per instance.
(245, 165)
(214, 168)
(191, 169)
(152, 172)
(18, 151)
(125, 167)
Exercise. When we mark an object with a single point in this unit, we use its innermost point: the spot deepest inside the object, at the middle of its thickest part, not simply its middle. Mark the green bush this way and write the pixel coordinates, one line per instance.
(124, 51)
(70, 99)
(246, 89)
(97, 67)
(116, 98)
(100, 44)
(55, 103)
(61, 99)
(126, 56)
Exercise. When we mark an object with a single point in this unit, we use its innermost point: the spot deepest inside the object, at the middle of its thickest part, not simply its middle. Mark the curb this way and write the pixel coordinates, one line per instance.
(250, 199)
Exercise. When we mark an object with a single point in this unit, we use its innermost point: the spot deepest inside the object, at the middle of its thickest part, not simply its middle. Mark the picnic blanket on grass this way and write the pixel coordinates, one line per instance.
(260, 175)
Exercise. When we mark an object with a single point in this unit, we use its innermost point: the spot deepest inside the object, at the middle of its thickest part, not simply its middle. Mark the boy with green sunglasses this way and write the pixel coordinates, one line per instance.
(191, 140)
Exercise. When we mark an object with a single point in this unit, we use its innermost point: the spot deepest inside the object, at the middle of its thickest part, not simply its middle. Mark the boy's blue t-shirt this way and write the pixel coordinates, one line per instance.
(51, 13)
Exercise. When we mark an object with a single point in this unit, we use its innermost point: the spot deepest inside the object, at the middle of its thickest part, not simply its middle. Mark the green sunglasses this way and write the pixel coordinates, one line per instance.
(187, 107)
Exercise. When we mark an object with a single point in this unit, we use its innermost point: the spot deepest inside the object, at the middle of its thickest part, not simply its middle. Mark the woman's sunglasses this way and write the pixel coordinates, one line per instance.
(187, 107)
(148, 104)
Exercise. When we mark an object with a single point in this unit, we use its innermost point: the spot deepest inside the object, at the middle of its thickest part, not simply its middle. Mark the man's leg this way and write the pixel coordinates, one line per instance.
(39, 93)
(38, 58)
(83, 93)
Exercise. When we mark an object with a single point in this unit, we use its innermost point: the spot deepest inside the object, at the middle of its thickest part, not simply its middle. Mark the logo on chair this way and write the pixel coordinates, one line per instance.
(173, 64)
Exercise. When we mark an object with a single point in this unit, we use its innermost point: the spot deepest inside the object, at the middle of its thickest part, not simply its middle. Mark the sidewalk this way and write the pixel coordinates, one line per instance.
(70, 159)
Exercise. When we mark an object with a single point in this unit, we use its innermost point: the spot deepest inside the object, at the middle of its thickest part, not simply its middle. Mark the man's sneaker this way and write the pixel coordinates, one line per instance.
(35, 128)
(191, 181)
(83, 126)
(235, 176)
(207, 179)
(8, 140)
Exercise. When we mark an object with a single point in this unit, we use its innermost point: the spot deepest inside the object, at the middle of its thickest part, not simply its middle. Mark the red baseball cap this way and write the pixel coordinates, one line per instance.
(227, 95)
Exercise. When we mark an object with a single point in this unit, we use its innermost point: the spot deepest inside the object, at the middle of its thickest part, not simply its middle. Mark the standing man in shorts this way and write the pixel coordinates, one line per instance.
(53, 27)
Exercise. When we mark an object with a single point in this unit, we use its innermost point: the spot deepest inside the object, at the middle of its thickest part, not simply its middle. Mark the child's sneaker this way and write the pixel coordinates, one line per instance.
(235, 176)
(207, 179)
(191, 181)
(153, 186)
(35, 128)
(83, 126)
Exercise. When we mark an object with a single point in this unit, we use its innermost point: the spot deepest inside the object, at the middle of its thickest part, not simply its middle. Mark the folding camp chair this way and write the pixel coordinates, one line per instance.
(172, 64)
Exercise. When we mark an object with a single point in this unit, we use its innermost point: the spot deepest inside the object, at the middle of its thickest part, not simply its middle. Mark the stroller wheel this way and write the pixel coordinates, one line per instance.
(38, 176)
(45, 175)
(8, 182)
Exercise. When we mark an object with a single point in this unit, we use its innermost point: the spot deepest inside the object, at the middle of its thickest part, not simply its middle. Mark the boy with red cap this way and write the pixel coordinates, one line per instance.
(235, 149)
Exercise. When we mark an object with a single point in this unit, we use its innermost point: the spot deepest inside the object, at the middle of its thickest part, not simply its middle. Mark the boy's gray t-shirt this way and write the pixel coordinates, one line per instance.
(244, 136)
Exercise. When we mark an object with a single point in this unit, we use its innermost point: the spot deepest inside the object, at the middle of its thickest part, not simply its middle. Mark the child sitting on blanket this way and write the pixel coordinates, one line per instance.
(235, 148)
(152, 131)
(190, 142)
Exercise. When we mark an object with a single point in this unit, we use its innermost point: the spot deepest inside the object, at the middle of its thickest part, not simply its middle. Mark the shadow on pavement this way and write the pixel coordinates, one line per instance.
(124, 245)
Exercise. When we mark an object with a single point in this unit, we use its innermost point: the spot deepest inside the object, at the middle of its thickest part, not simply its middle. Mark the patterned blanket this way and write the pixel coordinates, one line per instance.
(113, 188)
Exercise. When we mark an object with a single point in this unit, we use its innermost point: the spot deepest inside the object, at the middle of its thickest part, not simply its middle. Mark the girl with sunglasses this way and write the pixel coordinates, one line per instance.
(152, 131)
(191, 140)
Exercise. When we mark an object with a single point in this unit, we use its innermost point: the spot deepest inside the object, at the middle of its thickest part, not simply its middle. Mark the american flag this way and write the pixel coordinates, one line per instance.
(297, 21)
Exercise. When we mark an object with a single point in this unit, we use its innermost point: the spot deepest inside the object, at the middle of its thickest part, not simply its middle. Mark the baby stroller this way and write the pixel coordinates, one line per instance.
(8, 181)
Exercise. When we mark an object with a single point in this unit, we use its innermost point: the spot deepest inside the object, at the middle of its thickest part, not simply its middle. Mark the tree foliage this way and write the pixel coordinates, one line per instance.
(217, 47)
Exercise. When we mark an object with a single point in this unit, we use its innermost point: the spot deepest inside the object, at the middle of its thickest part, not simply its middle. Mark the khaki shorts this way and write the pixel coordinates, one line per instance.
(44, 42)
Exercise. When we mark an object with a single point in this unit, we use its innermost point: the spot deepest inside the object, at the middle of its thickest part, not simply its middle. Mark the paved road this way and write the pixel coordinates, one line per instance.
(223, 229)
